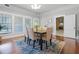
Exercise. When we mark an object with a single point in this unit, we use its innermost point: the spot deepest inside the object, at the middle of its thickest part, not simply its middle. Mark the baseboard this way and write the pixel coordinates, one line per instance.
(54, 36)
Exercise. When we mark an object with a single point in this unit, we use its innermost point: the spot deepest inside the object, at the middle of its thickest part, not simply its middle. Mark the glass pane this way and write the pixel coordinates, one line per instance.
(36, 22)
(18, 23)
(28, 22)
(4, 24)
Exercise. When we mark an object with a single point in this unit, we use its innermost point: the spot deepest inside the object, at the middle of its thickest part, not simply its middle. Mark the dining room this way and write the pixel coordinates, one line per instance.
(25, 29)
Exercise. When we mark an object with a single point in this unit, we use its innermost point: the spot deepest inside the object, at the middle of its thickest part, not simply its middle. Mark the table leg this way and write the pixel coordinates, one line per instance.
(33, 43)
(41, 41)
(41, 44)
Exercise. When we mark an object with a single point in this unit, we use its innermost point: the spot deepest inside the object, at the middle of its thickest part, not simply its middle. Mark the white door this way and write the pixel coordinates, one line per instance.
(69, 26)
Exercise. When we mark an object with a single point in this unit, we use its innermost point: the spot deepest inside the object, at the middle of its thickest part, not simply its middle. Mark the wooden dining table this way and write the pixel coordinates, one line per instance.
(40, 33)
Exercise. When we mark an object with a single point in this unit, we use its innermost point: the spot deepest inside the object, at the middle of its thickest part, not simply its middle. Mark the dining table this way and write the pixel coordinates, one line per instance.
(40, 33)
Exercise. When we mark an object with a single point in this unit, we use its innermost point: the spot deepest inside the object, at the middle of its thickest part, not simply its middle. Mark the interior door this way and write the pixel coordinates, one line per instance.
(69, 26)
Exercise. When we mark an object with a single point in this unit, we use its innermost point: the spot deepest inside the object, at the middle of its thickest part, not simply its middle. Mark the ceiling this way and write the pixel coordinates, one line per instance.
(45, 8)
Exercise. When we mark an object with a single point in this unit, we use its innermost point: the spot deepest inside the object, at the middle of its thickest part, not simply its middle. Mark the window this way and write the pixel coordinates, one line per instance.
(18, 24)
(5, 23)
(36, 22)
(28, 22)
(31, 22)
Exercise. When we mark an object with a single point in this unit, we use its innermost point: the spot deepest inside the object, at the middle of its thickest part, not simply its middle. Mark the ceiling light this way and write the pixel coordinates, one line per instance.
(35, 6)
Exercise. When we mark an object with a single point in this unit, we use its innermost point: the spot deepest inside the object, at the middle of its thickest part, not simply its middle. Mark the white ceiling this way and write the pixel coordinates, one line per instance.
(45, 9)
(64, 10)
(16, 10)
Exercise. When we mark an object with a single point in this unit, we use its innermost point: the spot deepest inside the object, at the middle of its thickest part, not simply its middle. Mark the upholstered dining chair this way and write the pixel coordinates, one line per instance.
(27, 39)
(58, 48)
(32, 36)
(48, 36)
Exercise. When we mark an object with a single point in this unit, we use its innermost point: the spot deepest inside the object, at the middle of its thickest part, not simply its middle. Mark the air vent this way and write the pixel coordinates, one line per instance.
(7, 5)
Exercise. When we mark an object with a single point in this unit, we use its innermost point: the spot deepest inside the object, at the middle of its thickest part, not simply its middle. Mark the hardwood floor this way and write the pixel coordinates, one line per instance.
(77, 46)
(71, 46)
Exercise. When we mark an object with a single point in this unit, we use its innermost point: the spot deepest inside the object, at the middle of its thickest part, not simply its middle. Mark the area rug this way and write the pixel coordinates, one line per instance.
(28, 49)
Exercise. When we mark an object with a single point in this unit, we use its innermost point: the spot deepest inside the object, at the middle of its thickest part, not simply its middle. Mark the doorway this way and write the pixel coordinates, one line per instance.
(60, 28)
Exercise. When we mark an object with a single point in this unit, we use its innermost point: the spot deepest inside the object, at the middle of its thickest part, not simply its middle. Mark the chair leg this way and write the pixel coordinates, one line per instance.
(37, 40)
(46, 45)
(28, 41)
(50, 41)
(25, 39)
(43, 41)
(33, 43)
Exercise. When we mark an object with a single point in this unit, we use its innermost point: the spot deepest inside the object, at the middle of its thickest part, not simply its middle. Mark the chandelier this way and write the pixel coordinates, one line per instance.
(35, 6)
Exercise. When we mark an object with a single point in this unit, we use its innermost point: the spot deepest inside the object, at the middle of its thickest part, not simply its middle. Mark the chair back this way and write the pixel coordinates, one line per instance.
(31, 33)
(49, 33)
(59, 47)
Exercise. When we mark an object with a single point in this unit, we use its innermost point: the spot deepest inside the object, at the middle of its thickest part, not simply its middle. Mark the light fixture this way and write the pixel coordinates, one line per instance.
(35, 6)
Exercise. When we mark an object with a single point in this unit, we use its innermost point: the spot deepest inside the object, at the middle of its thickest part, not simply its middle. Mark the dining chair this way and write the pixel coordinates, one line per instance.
(32, 36)
(58, 48)
(48, 36)
(27, 36)
(51, 30)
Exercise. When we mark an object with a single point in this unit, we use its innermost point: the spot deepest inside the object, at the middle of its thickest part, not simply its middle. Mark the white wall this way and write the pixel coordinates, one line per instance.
(69, 26)
(54, 25)
(46, 21)
(43, 21)
(69, 13)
